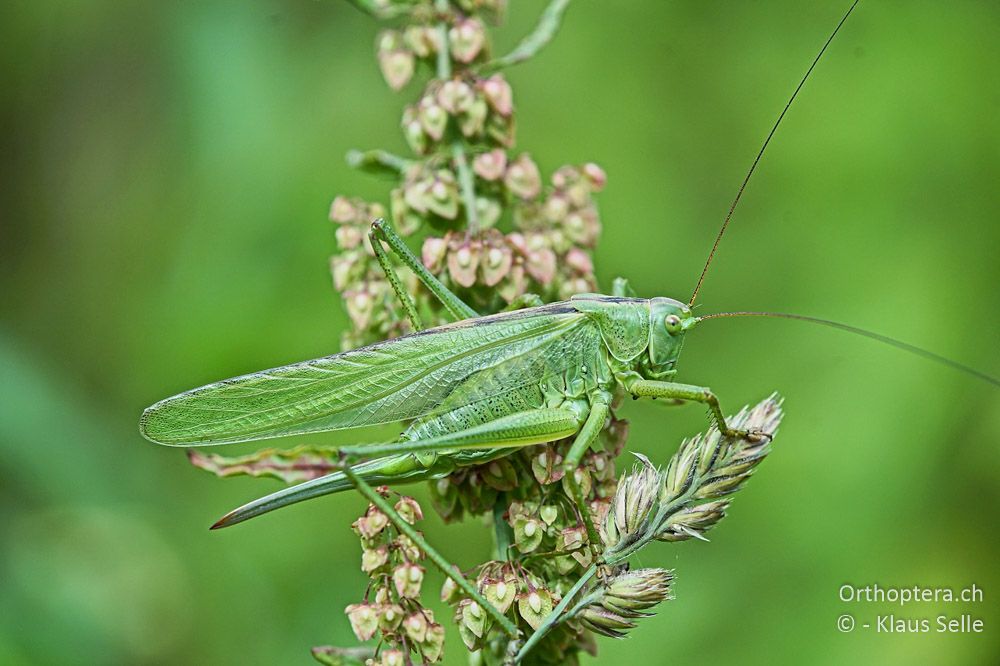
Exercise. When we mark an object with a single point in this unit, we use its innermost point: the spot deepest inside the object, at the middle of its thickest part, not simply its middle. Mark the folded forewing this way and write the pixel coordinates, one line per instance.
(390, 381)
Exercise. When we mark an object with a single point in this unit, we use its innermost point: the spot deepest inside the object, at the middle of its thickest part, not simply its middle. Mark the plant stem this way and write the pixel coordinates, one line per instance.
(377, 160)
(467, 185)
(443, 54)
(446, 567)
(375, 9)
(543, 33)
(554, 617)
(501, 530)
(465, 180)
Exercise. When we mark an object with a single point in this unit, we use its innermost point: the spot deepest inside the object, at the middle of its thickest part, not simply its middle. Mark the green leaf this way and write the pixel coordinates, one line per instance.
(335, 656)
(302, 463)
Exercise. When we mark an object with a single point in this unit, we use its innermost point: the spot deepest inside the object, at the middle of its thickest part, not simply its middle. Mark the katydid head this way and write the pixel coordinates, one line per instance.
(669, 320)
(643, 334)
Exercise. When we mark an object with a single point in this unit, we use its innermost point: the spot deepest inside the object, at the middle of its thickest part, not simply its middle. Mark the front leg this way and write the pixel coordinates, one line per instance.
(648, 388)
(381, 231)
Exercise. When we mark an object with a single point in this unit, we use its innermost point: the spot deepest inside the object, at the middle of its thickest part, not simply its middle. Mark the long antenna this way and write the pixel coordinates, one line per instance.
(899, 344)
(753, 167)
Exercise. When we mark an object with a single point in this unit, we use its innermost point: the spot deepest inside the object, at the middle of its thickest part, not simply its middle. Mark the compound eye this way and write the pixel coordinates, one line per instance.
(672, 322)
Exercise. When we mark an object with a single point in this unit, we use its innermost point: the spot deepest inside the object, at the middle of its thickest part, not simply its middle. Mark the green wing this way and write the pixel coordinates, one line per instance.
(387, 382)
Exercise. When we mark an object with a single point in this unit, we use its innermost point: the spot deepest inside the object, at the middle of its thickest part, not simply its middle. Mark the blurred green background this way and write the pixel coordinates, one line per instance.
(166, 172)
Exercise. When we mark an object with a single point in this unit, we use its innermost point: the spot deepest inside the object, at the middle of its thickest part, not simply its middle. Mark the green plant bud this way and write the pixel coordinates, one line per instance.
(579, 261)
(388, 40)
(500, 474)
(406, 221)
(345, 269)
(523, 178)
(433, 253)
(498, 93)
(565, 176)
(413, 131)
(397, 67)
(407, 579)
(409, 509)
(528, 533)
(720, 486)
(467, 38)
(444, 496)
(548, 513)
(578, 193)
(455, 96)
(571, 538)
(421, 39)
(469, 637)
(490, 165)
(409, 549)
(518, 509)
(500, 130)
(582, 226)
(500, 593)
(392, 658)
(432, 647)
(342, 210)
(637, 590)
(443, 195)
(473, 617)
(373, 559)
(547, 466)
(595, 176)
(558, 241)
(390, 617)
(416, 193)
(489, 212)
(348, 236)
(493, 268)
(528, 217)
(541, 265)
(556, 208)
(372, 523)
(415, 626)
(473, 121)
(359, 304)
(633, 507)
(534, 606)
(515, 284)
(432, 117)
(449, 591)
(582, 477)
(463, 261)
(607, 623)
(364, 619)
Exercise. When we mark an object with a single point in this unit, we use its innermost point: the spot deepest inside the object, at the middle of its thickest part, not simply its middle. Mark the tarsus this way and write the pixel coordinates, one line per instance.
(899, 344)
(729, 215)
